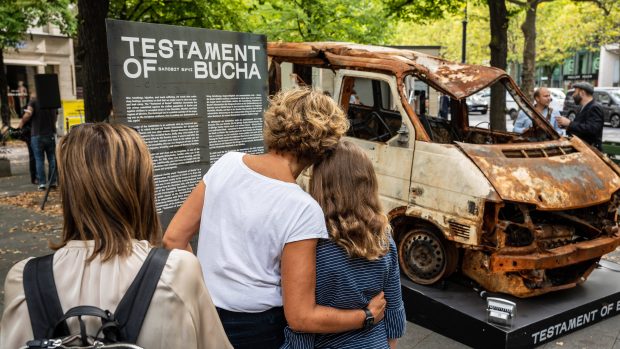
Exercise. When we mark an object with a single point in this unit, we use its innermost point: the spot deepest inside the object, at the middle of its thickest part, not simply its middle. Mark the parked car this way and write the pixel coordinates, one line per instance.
(557, 98)
(608, 97)
(477, 103)
(483, 99)
(512, 108)
(523, 214)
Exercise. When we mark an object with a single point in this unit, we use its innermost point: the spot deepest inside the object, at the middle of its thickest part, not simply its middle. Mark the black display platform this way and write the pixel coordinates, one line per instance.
(458, 312)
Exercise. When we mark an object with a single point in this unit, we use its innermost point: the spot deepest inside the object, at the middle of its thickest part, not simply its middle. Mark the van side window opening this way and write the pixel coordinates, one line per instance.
(371, 109)
(435, 110)
(469, 120)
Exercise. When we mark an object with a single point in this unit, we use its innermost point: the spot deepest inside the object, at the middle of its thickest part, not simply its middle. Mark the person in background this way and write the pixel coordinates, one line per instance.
(110, 224)
(542, 99)
(43, 140)
(259, 229)
(22, 93)
(360, 252)
(589, 122)
(444, 106)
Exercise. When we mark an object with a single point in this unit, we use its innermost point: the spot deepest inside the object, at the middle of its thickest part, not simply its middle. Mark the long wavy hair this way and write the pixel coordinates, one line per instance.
(345, 185)
(107, 190)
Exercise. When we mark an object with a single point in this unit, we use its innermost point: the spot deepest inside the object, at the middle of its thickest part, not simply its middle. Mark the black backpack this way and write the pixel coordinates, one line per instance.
(118, 330)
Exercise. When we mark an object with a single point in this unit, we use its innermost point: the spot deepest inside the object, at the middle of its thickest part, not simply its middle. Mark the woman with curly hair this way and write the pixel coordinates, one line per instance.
(259, 229)
(359, 253)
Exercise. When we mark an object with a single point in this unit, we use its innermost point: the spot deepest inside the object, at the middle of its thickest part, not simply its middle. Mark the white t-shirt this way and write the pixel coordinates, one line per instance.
(247, 218)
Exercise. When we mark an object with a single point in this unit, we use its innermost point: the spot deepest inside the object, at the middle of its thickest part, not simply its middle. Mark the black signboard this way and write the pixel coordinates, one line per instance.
(581, 77)
(193, 94)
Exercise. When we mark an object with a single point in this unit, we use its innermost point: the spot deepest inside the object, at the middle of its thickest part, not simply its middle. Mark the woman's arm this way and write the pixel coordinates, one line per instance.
(392, 342)
(298, 295)
(186, 221)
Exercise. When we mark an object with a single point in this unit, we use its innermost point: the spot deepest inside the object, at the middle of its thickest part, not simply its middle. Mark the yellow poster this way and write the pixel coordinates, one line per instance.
(73, 112)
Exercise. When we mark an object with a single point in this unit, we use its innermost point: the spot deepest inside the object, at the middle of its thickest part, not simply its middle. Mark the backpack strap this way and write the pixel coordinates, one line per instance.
(132, 309)
(42, 299)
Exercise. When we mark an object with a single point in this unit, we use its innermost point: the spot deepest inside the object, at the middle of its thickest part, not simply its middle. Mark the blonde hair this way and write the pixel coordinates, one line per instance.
(345, 185)
(107, 189)
(305, 123)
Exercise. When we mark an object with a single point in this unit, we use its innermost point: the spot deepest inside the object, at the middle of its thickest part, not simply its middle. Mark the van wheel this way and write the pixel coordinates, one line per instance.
(571, 116)
(426, 257)
(615, 121)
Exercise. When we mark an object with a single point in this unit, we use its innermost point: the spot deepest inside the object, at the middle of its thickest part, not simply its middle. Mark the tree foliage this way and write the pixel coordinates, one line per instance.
(446, 32)
(425, 11)
(16, 17)
(213, 14)
(360, 21)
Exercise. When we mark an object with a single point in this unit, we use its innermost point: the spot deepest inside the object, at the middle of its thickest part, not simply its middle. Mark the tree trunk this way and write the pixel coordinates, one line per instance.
(550, 76)
(529, 50)
(4, 93)
(93, 52)
(498, 16)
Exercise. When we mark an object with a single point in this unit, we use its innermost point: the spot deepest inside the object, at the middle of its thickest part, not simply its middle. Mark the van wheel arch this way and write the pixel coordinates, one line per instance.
(425, 256)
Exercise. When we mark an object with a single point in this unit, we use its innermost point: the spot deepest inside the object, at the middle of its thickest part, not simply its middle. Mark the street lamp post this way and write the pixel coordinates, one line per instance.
(464, 47)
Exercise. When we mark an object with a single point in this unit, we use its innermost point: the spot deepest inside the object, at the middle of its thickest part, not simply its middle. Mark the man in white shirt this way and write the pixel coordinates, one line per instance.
(542, 97)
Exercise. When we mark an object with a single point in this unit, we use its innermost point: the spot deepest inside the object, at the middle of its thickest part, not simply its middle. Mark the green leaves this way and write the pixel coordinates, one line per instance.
(424, 11)
(16, 17)
(360, 21)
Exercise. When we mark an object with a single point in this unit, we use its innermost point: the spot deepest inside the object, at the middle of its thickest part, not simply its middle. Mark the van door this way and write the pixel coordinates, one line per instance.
(380, 126)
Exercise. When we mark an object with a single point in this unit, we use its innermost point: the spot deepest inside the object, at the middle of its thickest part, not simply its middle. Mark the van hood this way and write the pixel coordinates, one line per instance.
(563, 174)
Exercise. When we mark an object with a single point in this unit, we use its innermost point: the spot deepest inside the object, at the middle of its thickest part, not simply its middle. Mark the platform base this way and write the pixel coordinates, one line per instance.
(457, 311)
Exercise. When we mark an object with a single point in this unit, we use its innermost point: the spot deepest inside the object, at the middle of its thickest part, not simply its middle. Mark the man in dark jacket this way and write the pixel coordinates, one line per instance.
(588, 124)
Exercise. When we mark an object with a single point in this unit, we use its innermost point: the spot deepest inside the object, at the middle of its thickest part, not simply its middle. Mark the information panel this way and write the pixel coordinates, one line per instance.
(193, 94)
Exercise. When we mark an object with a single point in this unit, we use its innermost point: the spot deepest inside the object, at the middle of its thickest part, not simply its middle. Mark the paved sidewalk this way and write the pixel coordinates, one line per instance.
(24, 232)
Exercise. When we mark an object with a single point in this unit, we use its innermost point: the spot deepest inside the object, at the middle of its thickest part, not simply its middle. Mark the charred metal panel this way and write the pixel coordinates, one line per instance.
(393, 168)
(519, 259)
(534, 173)
(455, 228)
(527, 283)
(458, 80)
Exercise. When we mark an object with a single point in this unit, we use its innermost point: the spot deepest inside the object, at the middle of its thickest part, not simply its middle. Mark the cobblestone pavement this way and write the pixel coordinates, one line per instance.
(25, 231)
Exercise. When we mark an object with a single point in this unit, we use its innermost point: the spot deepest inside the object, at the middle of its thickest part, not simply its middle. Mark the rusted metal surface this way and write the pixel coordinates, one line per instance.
(551, 175)
(553, 258)
(531, 217)
(458, 80)
(528, 283)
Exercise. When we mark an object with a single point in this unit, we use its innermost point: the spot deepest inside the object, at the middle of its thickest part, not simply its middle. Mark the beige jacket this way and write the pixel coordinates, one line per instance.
(181, 314)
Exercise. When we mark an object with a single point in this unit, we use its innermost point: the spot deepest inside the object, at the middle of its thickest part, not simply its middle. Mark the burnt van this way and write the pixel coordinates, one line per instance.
(519, 213)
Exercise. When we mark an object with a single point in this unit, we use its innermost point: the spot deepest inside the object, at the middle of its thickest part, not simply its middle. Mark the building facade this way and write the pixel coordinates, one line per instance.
(44, 50)
(600, 68)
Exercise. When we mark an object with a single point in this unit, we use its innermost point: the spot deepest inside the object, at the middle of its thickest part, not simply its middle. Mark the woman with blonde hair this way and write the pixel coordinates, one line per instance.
(359, 253)
(259, 229)
(110, 226)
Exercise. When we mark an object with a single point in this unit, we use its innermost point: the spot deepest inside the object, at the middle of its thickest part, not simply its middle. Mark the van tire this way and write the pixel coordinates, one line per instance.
(425, 256)
(614, 120)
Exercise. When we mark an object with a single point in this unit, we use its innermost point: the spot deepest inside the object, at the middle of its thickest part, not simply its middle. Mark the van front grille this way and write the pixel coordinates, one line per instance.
(539, 152)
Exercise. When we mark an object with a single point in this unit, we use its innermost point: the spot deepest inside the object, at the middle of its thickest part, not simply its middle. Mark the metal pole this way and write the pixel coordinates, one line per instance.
(464, 47)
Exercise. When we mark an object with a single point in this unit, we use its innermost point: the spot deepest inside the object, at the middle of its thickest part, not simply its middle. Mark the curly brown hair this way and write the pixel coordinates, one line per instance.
(304, 122)
(345, 185)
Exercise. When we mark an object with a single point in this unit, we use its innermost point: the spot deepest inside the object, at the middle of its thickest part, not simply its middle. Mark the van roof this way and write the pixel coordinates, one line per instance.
(456, 79)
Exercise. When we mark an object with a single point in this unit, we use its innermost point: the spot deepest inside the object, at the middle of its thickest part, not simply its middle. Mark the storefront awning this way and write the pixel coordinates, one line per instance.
(30, 62)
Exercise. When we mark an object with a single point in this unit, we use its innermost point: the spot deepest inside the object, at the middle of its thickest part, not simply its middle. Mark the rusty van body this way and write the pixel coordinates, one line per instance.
(522, 214)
